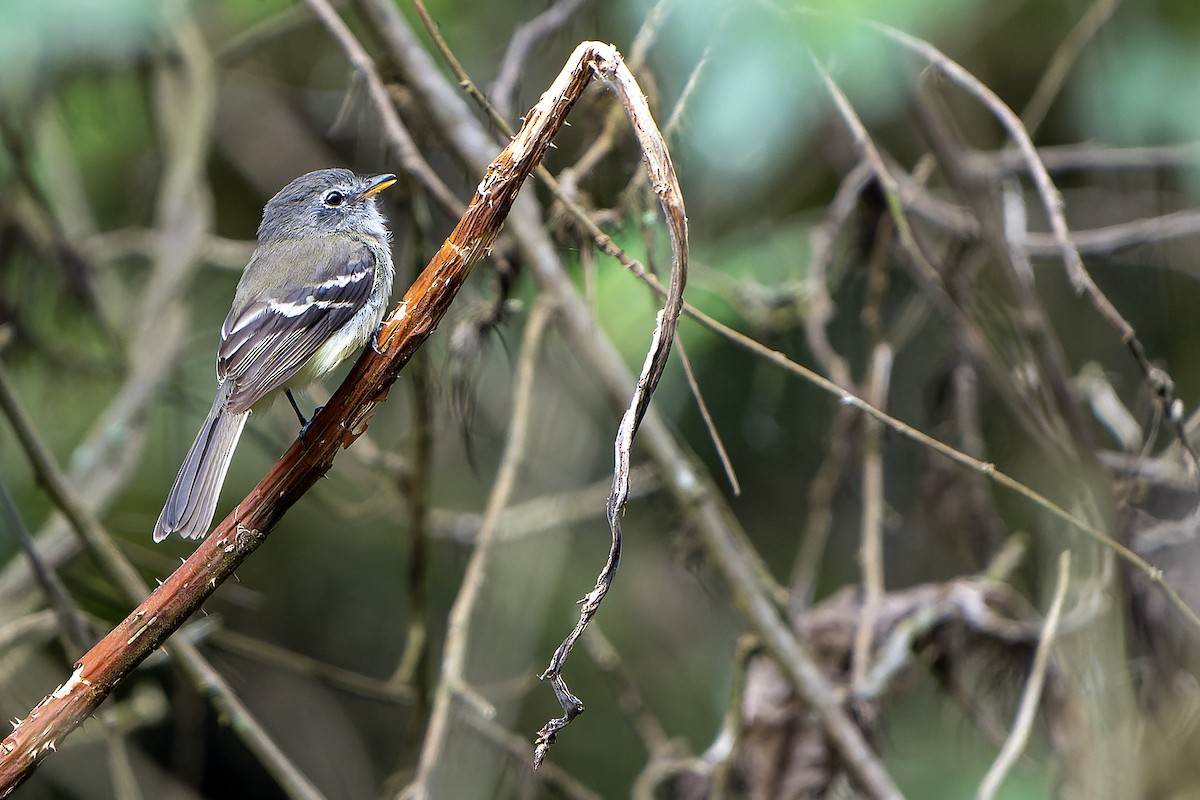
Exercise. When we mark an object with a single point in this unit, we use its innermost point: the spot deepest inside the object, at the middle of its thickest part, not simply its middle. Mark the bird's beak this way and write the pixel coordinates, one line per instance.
(376, 185)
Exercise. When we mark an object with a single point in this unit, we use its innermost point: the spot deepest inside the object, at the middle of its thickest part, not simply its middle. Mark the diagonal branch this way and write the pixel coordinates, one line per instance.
(39, 733)
(342, 420)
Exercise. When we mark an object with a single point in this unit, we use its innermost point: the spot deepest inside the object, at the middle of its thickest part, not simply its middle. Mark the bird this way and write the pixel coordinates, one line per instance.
(313, 293)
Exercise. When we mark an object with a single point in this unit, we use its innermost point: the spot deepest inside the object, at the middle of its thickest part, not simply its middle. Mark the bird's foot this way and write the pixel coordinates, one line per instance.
(305, 424)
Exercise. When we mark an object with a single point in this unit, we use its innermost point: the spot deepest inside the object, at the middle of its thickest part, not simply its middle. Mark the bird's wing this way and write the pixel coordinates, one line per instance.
(266, 340)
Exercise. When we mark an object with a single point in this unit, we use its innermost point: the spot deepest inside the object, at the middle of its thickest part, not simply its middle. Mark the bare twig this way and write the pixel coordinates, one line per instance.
(452, 111)
(988, 470)
(459, 71)
(1032, 695)
(1155, 377)
(72, 629)
(606, 63)
(603, 142)
(186, 93)
(76, 636)
(1049, 403)
(673, 122)
(541, 514)
(871, 548)
(397, 134)
(819, 521)
(733, 726)
(823, 238)
(415, 657)
(523, 40)
(930, 279)
(452, 677)
(34, 737)
(1064, 58)
(336, 426)
(749, 581)
(346, 680)
(877, 384)
(713, 434)
(1089, 156)
(927, 275)
(516, 748)
(889, 184)
(1123, 235)
(747, 576)
(108, 454)
(562, 190)
(612, 70)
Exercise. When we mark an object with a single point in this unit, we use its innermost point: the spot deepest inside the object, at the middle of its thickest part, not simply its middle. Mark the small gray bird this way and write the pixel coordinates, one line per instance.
(313, 293)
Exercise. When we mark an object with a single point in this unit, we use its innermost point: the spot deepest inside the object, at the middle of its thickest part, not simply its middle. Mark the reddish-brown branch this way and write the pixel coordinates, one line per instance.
(343, 419)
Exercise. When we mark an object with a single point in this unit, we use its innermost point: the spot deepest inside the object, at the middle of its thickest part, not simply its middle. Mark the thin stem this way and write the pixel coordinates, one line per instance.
(106, 553)
(1031, 697)
(398, 136)
(458, 632)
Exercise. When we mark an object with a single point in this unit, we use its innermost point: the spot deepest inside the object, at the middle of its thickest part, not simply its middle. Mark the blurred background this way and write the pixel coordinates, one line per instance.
(140, 141)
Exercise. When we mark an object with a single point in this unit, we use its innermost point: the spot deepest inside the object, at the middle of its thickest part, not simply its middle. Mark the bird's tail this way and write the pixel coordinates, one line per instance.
(193, 500)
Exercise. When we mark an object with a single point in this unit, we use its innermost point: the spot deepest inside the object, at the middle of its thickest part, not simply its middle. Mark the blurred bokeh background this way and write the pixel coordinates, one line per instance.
(140, 141)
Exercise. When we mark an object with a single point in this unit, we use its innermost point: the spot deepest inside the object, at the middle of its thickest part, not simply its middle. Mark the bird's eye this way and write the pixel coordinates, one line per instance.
(334, 198)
